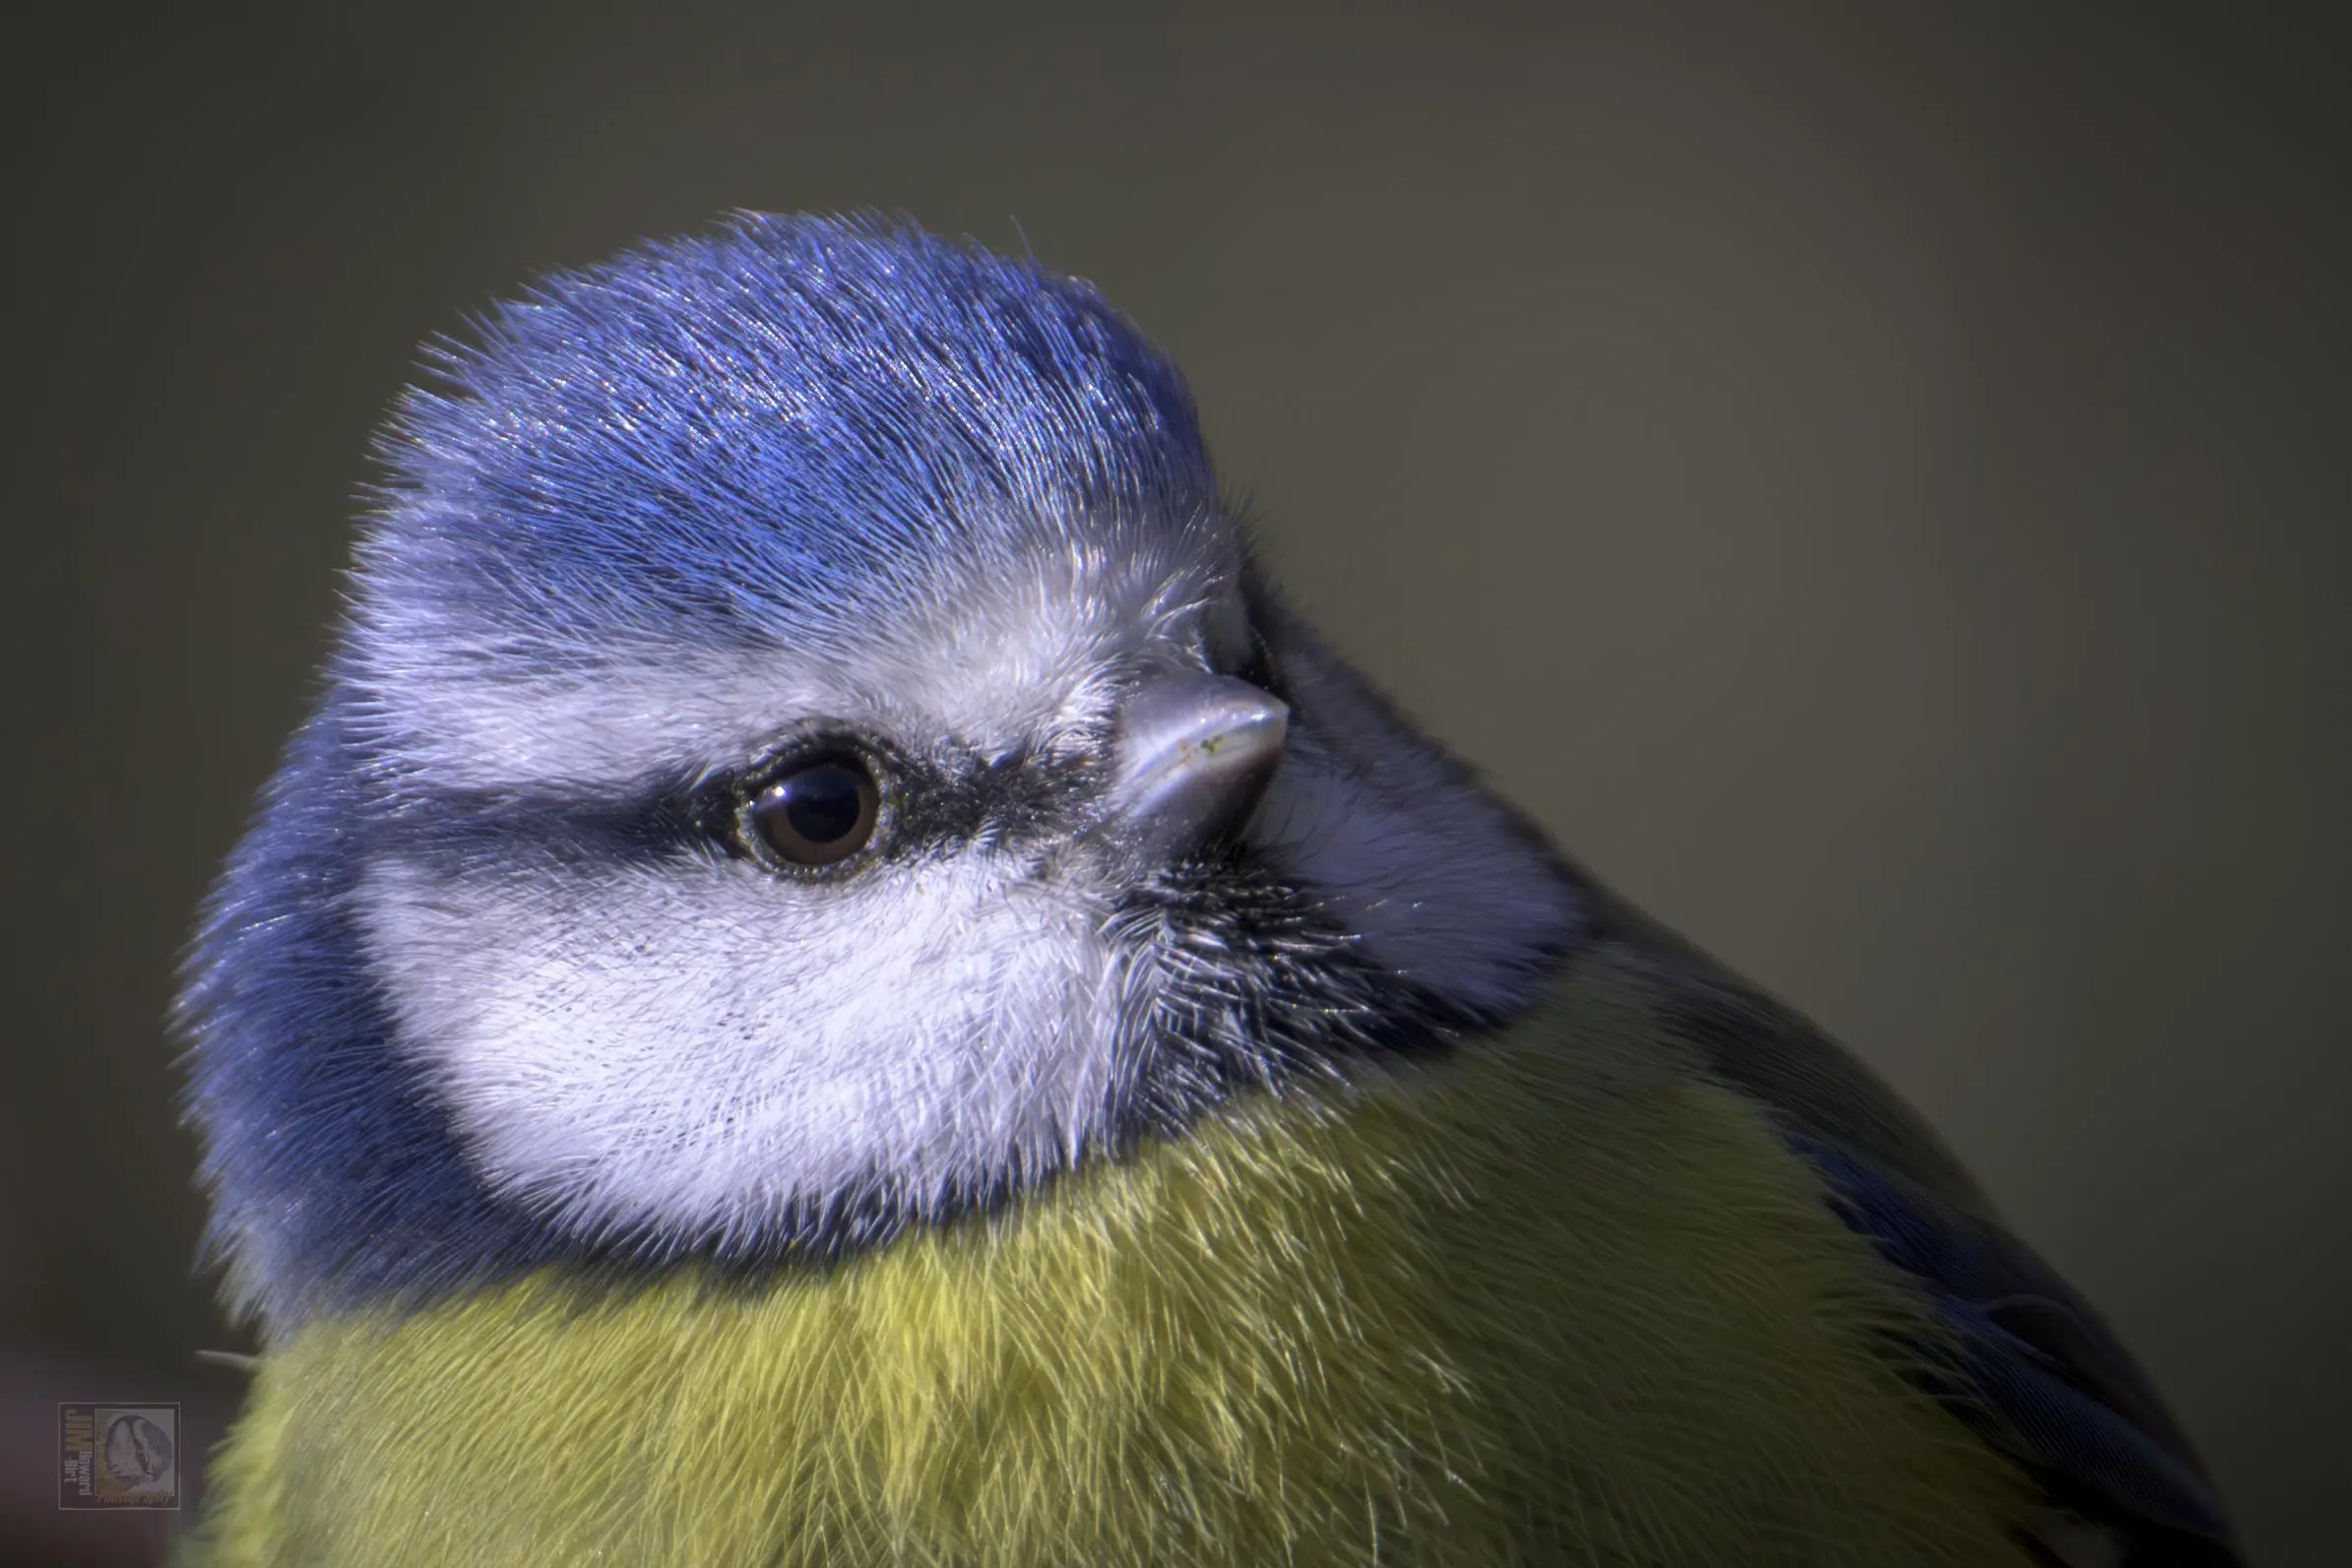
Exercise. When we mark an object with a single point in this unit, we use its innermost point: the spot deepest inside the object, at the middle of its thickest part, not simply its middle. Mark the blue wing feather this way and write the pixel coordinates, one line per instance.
(2036, 1370)
(2057, 1388)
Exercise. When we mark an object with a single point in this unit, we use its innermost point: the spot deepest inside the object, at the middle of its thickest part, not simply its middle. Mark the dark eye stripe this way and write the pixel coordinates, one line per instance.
(653, 823)
(1010, 800)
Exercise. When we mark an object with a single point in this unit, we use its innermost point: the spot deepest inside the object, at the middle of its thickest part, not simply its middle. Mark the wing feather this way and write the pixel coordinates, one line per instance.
(2037, 1372)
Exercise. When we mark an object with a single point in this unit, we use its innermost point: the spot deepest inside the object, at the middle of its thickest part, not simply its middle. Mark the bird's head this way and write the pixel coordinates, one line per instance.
(808, 752)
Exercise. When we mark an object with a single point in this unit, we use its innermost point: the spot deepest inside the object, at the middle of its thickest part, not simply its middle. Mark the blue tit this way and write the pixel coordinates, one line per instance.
(836, 980)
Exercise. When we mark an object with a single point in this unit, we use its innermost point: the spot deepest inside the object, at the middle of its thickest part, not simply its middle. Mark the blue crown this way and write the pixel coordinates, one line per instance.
(779, 421)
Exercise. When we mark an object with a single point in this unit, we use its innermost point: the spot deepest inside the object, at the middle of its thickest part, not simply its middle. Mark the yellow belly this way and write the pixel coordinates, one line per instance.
(1553, 1300)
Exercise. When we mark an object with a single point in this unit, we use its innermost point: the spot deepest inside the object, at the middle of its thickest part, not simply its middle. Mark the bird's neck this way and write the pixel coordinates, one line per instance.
(1366, 1323)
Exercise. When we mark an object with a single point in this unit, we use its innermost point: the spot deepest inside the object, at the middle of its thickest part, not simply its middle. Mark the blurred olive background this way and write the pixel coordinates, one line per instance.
(1872, 480)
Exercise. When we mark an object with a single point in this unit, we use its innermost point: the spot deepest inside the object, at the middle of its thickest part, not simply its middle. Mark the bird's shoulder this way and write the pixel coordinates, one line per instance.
(2027, 1362)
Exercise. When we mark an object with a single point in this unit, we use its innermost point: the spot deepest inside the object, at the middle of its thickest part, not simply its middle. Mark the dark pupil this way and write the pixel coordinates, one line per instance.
(823, 803)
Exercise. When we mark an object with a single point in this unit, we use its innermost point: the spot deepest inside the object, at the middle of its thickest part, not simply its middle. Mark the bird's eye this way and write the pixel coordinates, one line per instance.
(819, 811)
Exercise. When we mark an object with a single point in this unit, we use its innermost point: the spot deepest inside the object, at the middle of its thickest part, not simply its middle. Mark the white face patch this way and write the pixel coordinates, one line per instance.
(696, 1046)
(1022, 656)
(699, 1049)
(699, 1046)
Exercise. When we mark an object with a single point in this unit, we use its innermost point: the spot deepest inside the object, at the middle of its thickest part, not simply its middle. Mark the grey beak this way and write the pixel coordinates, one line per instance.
(1193, 753)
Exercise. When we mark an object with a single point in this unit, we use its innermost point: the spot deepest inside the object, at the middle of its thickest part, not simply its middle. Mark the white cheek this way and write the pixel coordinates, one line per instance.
(696, 1048)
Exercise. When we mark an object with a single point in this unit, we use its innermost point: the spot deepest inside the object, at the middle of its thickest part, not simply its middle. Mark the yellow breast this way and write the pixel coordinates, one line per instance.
(1554, 1299)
